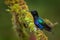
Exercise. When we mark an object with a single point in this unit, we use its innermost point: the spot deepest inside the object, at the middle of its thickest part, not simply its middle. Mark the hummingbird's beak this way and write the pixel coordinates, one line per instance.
(55, 23)
(49, 23)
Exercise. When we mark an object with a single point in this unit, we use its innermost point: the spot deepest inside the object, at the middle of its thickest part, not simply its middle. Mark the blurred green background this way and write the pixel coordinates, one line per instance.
(46, 8)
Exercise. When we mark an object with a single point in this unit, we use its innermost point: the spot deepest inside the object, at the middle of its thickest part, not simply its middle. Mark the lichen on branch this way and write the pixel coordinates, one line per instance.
(23, 22)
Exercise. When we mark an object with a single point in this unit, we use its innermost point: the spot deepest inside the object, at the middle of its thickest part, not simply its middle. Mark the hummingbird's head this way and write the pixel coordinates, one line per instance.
(49, 25)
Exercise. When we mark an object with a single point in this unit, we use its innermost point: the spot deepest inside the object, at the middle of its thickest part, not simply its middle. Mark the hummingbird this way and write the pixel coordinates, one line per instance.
(42, 23)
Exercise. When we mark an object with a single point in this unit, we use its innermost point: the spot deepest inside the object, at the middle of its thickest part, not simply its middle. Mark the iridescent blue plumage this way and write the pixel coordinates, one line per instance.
(39, 22)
